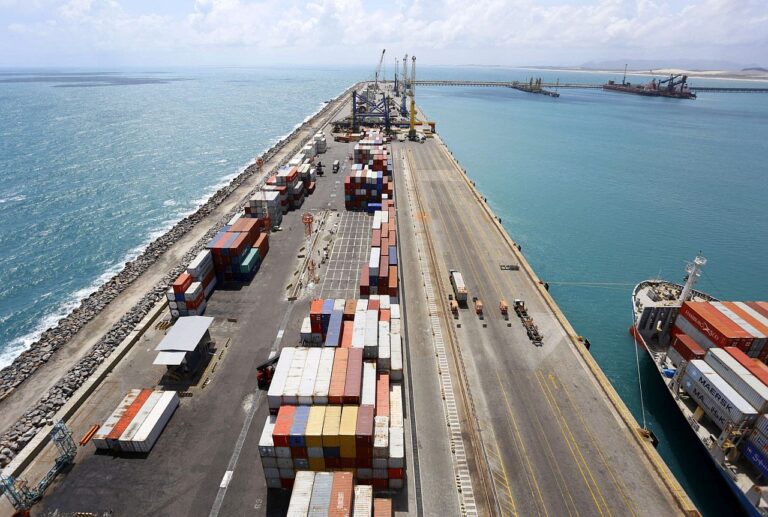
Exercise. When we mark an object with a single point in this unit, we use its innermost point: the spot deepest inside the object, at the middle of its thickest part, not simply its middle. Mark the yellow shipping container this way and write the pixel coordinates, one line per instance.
(317, 464)
(314, 431)
(347, 429)
(331, 426)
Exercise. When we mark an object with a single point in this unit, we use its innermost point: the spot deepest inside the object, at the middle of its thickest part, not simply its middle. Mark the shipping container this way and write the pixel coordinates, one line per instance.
(715, 396)
(368, 395)
(113, 438)
(276, 387)
(382, 394)
(331, 426)
(293, 380)
(363, 501)
(364, 431)
(124, 442)
(297, 435)
(338, 376)
(687, 348)
(341, 495)
(354, 380)
(749, 363)
(396, 405)
(382, 507)
(396, 352)
(396, 448)
(384, 348)
(100, 438)
(301, 494)
(347, 431)
(742, 381)
(282, 429)
(309, 377)
(324, 372)
(321, 495)
(266, 445)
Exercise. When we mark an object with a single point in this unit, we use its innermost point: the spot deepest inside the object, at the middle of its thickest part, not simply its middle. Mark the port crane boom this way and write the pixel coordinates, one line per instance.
(378, 71)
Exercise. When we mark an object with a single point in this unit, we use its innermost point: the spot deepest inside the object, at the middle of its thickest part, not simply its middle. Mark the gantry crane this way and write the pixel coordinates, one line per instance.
(378, 72)
(403, 105)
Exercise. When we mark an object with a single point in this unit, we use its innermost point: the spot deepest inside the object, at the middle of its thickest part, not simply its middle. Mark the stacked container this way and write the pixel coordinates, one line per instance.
(334, 494)
(234, 254)
(136, 423)
(265, 205)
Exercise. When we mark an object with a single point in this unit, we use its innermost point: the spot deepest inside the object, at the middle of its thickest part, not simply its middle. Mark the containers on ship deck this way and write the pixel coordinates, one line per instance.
(715, 396)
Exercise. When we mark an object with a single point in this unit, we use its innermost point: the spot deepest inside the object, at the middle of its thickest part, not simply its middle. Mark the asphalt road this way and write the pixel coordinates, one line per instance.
(553, 443)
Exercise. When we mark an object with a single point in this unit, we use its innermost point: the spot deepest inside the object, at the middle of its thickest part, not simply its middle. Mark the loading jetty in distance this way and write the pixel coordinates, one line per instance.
(341, 338)
(675, 87)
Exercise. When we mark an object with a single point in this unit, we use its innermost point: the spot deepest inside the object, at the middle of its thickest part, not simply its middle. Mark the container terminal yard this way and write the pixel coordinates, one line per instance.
(495, 406)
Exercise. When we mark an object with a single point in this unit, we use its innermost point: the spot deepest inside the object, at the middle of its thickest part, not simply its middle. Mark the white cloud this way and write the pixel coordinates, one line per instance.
(512, 28)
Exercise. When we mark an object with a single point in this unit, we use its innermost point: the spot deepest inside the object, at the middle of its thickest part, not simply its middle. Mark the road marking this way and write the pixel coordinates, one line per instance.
(280, 334)
(225, 480)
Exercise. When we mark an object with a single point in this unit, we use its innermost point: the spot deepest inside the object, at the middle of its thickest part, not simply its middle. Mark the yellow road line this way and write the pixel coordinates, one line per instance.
(572, 445)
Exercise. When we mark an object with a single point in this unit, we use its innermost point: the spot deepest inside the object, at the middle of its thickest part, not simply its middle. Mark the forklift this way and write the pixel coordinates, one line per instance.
(265, 371)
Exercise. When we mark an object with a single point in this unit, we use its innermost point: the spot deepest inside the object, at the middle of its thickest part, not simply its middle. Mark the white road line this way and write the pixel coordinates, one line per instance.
(225, 480)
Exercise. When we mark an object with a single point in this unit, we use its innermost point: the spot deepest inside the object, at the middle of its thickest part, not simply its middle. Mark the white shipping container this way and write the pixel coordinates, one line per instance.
(371, 334)
(741, 322)
(385, 349)
(373, 262)
(323, 382)
(277, 385)
(396, 357)
(301, 494)
(266, 445)
(368, 395)
(363, 501)
(338, 304)
(396, 448)
(384, 216)
(384, 303)
(394, 311)
(170, 295)
(380, 437)
(100, 438)
(674, 356)
(376, 223)
(395, 326)
(362, 305)
(124, 442)
(762, 424)
(293, 381)
(194, 291)
(395, 405)
(153, 426)
(745, 384)
(718, 399)
(306, 331)
(309, 376)
(200, 263)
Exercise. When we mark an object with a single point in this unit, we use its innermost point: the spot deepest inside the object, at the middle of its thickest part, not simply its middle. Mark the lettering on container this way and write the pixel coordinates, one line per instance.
(757, 459)
(703, 326)
(715, 393)
(713, 412)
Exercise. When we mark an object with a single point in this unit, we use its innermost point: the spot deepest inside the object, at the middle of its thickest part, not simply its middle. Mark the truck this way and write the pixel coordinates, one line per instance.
(459, 289)
(336, 166)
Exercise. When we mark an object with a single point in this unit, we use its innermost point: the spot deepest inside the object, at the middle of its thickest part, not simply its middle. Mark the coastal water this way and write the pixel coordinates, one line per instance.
(601, 190)
(605, 189)
(94, 164)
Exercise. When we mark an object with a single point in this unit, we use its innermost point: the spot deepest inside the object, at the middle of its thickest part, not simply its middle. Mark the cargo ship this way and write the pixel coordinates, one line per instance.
(711, 357)
(676, 87)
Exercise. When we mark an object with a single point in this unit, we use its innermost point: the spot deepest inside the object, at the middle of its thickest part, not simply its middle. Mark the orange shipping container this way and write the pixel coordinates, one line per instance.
(338, 376)
(382, 395)
(346, 336)
(382, 507)
(341, 495)
(127, 417)
(283, 424)
(349, 309)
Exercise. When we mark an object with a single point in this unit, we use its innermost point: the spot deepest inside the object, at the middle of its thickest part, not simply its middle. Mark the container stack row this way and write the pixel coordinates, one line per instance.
(239, 249)
(369, 182)
(136, 423)
(743, 325)
(334, 494)
(265, 206)
(380, 275)
(366, 440)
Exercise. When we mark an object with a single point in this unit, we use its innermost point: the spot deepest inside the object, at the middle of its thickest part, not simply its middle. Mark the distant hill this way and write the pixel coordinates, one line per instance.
(755, 69)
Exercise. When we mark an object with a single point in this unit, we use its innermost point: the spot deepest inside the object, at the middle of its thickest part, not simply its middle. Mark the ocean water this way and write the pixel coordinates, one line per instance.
(603, 190)
(94, 164)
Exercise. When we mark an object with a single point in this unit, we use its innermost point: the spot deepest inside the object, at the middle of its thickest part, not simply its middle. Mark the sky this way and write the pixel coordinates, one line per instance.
(97, 33)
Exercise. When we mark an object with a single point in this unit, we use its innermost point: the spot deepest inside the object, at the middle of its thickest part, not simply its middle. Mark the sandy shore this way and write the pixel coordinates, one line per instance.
(661, 72)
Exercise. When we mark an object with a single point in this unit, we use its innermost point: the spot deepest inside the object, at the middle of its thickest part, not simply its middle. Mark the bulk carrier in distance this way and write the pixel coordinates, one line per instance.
(711, 357)
(676, 87)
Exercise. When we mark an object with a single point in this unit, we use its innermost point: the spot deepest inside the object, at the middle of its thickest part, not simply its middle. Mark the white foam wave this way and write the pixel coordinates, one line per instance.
(169, 202)
(19, 197)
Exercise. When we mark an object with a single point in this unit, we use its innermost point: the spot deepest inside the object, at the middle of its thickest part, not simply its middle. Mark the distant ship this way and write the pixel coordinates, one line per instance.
(676, 87)
(711, 357)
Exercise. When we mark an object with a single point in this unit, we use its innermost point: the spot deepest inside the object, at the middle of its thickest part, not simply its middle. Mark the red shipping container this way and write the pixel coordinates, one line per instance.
(384, 229)
(748, 363)
(347, 463)
(346, 334)
(395, 473)
(283, 424)
(379, 484)
(375, 238)
(710, 322)
(384, 247)
(339, 376)
(262, 244)
(365, 461)
(364, 431)
(373, 305)
(182, 283)
(382, 507)
(286, 483)
(382, 395)
(315, 311)
(392, 238)
(354, 378)
(246, 225)
(385, 314)
(298, 452)
(341, 495)
(687, 347)
(761, 307)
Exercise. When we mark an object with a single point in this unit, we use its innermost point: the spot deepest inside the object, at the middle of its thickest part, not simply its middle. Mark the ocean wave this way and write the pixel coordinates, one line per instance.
(17, 197)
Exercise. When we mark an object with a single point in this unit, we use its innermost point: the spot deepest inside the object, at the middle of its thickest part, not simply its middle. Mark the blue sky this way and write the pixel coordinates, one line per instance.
(512, 32)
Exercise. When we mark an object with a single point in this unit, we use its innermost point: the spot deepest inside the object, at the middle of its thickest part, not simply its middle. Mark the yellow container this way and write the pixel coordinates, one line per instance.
(316, 464)
(347, 429)
(331, 426)
(313, 434)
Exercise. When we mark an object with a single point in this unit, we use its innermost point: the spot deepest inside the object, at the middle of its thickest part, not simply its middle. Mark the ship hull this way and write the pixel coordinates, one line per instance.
(745, 504)
(649, 93)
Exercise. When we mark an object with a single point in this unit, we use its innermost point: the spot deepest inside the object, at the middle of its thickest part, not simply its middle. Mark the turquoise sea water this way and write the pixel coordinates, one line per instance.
(603, 190)
(94, 164)
(599, 188)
